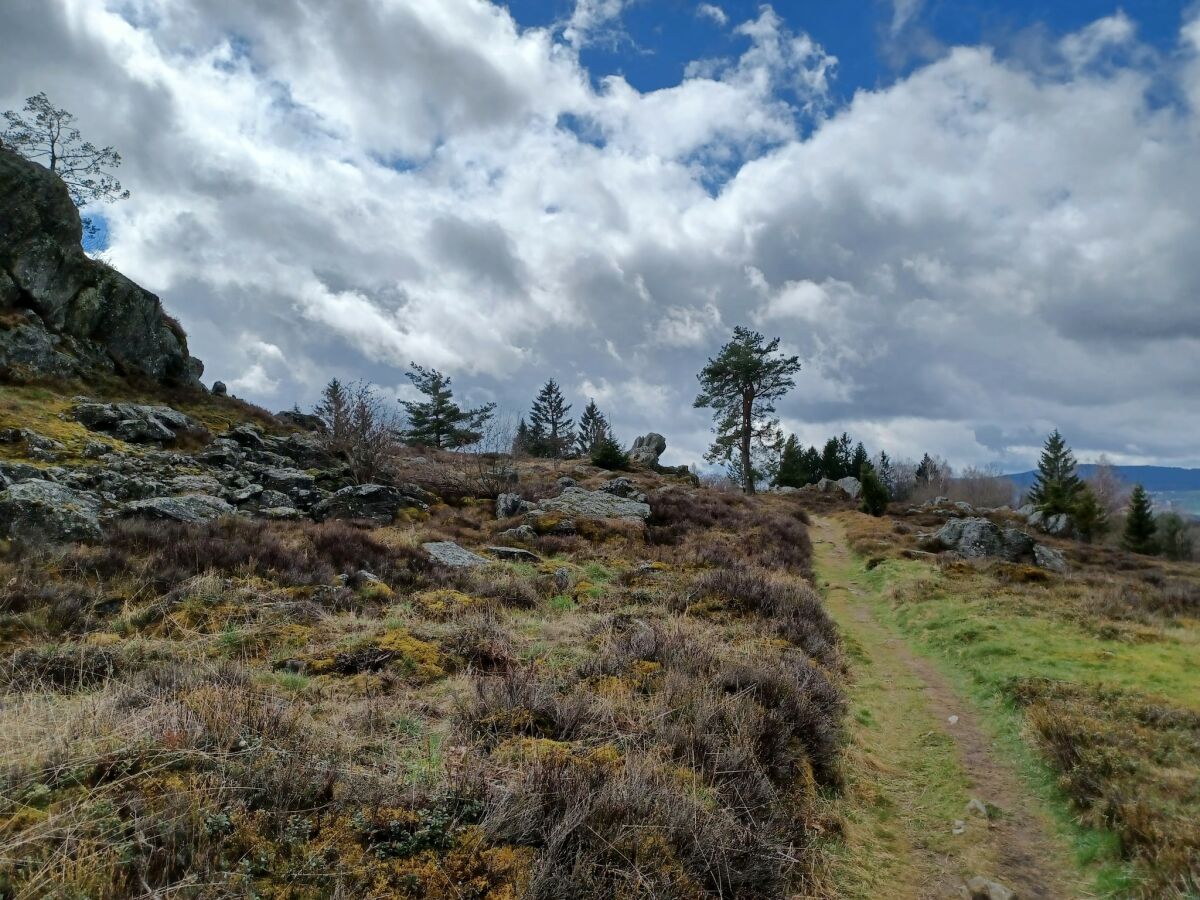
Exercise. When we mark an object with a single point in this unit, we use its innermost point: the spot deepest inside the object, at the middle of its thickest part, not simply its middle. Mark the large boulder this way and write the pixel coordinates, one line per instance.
(452, 555)
(974, 538)
(42, 510)
(623, 487)
(576, 503)
(647, 449)
(188, 509)
(370, 502)
(850, 486)
(46, 271)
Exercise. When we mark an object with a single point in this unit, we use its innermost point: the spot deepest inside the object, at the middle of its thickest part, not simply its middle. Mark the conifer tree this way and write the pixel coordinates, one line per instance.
(741, 384)
(438, 421)
(884, 467)
(859, 460)
(522, 440)
(1089, 516)
(846, 455)
(874, 492)
(1139, 523)
(550, 429)
(811, 465)
(606, 453)
(831, 460)
(593, 428)
(928, 470)
(791, 465)
(1057, 485)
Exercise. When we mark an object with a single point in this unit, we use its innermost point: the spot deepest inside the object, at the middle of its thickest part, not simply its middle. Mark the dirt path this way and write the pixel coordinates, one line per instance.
(918, 755)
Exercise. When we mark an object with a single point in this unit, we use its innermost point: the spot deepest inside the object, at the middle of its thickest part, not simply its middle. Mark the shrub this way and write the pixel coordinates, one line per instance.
(607, 454)
(874, 493)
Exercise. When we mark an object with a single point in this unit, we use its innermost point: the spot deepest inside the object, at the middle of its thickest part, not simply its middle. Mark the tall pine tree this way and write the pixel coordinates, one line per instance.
(437, 421)
(1139, 523)
(831, 460)
(593, 428)
(1057, 486)
(791, 465)
(550, 429)
(859, 461)
(740, 385)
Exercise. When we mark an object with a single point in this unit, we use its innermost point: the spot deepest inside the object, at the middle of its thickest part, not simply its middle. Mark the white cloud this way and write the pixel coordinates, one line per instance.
(904, 12)
(982, 243)
(713, 12)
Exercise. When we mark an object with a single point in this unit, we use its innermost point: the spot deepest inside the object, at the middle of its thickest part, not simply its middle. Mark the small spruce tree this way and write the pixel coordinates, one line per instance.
(831, 460)
(791, 465)
(928, 471)
(874, 492)
(1057, 486)
(523, 440)
(1089, 516)
(437, 421)
(1139, 523)
(550, 429)
(606, 453)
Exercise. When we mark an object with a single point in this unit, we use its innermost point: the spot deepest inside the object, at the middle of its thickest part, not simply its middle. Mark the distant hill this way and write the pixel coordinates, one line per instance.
(1153, 478)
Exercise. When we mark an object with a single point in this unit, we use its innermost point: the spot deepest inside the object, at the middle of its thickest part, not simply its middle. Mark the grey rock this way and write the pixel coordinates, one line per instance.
(194, 484)
(279, 513)
(980, 888)
(647, 449)
(189, 508)
(1059, 525)
(827, 486)
(244, 494)
(578, 503)
(30, 347)
(785, 489)
(373, 502)
(977, 807)
(219, 389)
(975, 538)
(96, 449)
(13, 472)
(38, 510)
(512, 553)
(451, 554)
(562, 579)
(851, 486)
(565, 481)
(304, 421)
(288, 481)
(509, 505)
(522, 533)
(134, 423)
(246, 435)
(1026, 511)
(11, 435)
(78, 298)
(1049, 558)
(623, 487)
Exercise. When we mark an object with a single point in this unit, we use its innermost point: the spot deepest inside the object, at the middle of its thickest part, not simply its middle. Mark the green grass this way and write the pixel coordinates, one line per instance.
(981, 647)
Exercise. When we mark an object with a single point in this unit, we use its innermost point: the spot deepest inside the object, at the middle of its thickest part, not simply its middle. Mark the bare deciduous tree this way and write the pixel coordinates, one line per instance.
(360, 428)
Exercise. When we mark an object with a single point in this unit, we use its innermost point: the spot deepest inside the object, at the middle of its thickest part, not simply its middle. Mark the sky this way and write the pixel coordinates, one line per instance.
(973, 221)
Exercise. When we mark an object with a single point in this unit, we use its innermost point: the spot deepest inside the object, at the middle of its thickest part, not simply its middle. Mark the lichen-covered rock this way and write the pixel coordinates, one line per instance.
(509, 505)
(580, 504)
(451, 554)
(46, 271)
(1049, 558)
(975, 538)
(38, 510)
(851, 486)
(188, 508)
(371, 502)
(517, 554)
(133, 422)
(647, 449)
(623, 487)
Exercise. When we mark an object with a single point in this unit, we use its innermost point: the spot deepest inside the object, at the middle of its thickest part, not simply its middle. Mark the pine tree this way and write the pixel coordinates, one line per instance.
(741, 384)
(1174, 537)
(791, 465)
(884, 467)
(859, 460)
(1089, 516)
(874, 492)
(831, 460)
(606, 453)
(438, 421)
(550, 429)
(846, 456)
(593, 428)
(1139, 523)
(811, 466)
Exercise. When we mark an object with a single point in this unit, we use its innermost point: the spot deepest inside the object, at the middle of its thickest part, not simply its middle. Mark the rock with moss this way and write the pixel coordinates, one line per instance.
(452, 555)
(647, 449)
(36, 510)
(95, 312)
(134, 423)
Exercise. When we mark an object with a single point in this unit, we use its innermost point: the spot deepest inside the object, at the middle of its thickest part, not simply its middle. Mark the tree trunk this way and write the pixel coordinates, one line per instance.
(747, 470)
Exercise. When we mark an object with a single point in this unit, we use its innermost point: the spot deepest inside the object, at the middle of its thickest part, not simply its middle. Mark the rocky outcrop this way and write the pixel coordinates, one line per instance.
(576, 503)
(36, 511)
(647, 449)
(976, 538)
(188, 508)
(371, 502)
(70, 314)
(623, 487)
(134, 423)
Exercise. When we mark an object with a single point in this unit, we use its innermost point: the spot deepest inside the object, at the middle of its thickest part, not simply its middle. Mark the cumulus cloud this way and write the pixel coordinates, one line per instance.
(713, 12)
(985, 246)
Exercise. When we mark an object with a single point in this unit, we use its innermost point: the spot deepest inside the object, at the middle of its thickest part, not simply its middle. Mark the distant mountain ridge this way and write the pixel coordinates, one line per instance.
(1152, 478)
